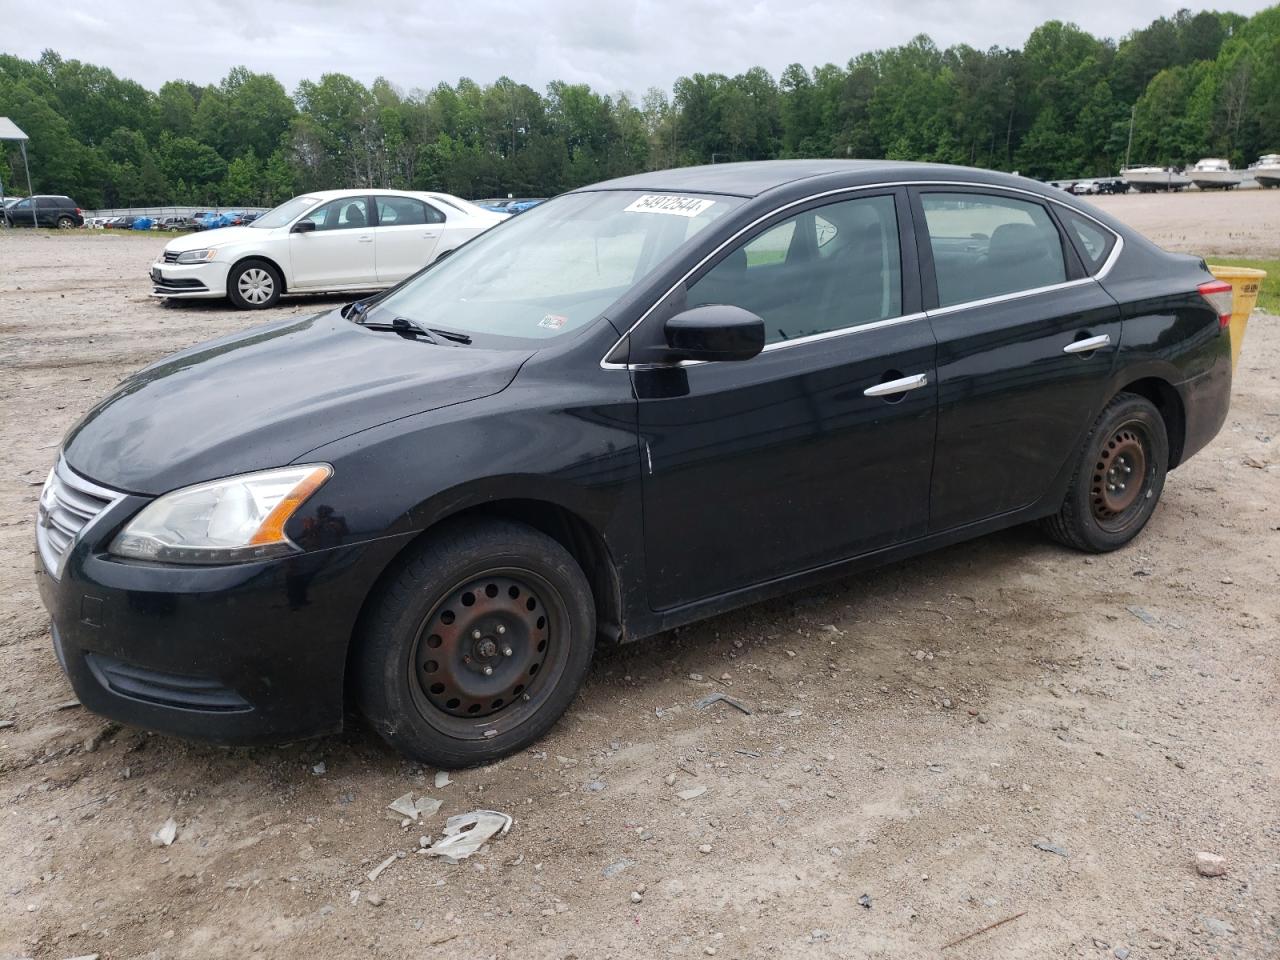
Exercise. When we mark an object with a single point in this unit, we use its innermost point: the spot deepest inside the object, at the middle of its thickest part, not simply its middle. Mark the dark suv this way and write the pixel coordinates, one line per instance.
(50, 211)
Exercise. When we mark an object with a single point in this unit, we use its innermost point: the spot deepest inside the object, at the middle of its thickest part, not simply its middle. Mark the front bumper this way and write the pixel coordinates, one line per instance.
(251, 653)
(189, 279)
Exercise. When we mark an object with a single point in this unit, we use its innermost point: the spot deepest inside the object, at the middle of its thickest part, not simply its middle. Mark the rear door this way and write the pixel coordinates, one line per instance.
(1026, 343)
(819, 448)
(46, 211)
(406, 237)
(339, 252)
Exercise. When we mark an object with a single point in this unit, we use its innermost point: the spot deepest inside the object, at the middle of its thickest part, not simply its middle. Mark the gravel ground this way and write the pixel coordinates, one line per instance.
(1000, 729)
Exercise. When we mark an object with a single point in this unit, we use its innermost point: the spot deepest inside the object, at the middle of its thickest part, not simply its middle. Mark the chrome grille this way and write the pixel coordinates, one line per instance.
(68, 504)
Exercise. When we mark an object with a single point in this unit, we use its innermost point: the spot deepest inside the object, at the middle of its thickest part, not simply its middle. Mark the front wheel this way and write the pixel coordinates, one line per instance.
(476, 644)
(253, 285)
(1118, 479)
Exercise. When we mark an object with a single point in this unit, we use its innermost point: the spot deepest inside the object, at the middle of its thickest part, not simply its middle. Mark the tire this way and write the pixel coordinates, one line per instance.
(418, 662)
(254, 285)
(65, 223)
(1102, 510)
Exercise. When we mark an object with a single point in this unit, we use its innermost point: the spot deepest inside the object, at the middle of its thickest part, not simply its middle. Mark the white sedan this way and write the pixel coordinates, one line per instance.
(327, 241)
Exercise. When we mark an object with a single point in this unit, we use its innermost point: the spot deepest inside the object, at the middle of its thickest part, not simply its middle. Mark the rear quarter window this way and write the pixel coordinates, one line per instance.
(1093, 241)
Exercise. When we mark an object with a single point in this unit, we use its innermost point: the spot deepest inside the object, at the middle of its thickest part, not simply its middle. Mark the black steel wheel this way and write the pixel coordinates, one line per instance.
(1118, 479)
(476, 644)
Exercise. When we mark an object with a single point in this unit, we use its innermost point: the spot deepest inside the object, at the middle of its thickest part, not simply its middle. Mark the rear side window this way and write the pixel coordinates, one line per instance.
(1092, 241)
(405, 211)
(831, 268)
(986, 246)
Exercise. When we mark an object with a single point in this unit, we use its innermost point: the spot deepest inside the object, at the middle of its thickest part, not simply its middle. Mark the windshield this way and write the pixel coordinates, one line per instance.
(285, 213)
(555, 268)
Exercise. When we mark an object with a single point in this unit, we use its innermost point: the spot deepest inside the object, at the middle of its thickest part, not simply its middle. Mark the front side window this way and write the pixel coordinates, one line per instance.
(349, 213)
(826, 269)
(558, 266)
(986, 246)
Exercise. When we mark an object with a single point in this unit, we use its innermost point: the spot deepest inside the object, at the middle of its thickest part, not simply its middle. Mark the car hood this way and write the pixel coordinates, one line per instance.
(265, 397)
(215, 238)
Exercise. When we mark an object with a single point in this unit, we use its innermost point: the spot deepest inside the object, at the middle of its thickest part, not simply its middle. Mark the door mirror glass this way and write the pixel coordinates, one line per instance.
(304, 226)
(718, 331)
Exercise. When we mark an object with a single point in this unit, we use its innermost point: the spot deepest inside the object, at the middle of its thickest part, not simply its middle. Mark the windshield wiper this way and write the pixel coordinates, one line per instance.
(354, 310)
(405, 328)
(453, 335)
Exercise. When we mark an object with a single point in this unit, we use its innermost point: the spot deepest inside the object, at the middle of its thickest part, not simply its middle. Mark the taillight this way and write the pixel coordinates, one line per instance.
(1217, 293)
(79, 212)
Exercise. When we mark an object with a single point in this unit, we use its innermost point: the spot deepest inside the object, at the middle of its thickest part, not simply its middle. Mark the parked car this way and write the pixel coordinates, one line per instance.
(332, 240)
(637, 405)
(509, 205)
(173, 223)
(50, 211)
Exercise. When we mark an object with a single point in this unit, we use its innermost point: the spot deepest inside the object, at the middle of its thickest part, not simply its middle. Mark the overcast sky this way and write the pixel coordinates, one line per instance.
(612, 45)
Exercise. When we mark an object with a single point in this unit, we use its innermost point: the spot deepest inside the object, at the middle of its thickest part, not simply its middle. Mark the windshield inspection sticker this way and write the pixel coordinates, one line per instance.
(667, 203)
(553, 321)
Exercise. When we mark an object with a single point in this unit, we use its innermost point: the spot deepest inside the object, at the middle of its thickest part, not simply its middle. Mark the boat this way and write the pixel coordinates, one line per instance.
(1267, 170)
(1214, 173)
(1152, 179)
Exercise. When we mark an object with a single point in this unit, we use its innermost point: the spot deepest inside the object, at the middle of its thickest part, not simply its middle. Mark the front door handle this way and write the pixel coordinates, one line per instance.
(1089, 344)
(892, 387)
(430, 236)
(366, 239)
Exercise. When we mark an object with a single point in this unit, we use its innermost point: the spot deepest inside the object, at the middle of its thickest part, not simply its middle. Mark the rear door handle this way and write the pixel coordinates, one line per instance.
(430, 236)
(897, 386)
(1089, 344)
(366, 239)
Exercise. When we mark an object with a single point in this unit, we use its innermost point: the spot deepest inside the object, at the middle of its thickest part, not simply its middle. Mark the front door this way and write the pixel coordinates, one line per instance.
(1026, 345)
(818, 449)
(339, 251)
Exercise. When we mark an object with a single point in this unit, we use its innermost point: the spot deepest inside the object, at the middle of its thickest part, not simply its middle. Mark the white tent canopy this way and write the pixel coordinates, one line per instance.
(9, 131)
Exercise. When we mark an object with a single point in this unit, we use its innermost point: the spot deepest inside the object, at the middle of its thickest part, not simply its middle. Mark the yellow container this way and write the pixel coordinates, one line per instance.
(1245, 284)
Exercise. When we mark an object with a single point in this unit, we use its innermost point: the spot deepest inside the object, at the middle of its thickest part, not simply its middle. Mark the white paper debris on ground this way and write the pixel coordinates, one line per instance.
(442, 779)
(693, 793)
(377, 871)
(466, 833)
(407, 806)
(166, 834)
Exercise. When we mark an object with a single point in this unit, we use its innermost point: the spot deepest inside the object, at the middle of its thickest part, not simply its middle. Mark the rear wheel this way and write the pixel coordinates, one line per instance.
(477, 645)
(1118, 480)
(253, 285)
(66, 223)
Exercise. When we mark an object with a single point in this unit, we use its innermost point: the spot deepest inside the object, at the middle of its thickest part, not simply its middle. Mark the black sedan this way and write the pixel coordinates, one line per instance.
(639, 404)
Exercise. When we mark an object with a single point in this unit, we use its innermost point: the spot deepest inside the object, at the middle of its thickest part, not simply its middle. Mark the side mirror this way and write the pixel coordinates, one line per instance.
(304, 226)
(717, 331)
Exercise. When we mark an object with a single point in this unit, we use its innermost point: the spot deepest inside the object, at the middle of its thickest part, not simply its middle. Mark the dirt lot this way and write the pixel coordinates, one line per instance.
(1237, 223)
(916, 732)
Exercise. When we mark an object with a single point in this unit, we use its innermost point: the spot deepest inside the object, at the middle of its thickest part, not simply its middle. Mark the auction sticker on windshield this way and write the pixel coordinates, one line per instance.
(667, 203)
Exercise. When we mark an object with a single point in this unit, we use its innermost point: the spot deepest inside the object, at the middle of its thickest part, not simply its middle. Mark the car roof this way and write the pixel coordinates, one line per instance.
(365, 191)
(753, 178)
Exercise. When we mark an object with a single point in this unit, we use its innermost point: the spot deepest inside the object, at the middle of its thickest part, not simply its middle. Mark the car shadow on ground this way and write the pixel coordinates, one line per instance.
(698, 649)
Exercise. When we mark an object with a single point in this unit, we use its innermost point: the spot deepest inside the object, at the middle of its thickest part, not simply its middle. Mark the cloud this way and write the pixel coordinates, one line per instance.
(614, 46)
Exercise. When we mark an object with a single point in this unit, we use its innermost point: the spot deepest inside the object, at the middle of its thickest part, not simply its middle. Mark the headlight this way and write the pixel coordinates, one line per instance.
(197, 256)
(226, 521)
